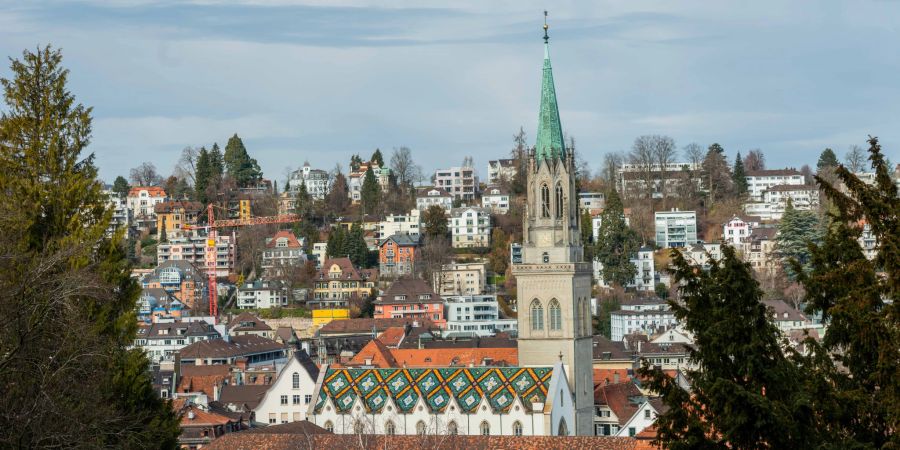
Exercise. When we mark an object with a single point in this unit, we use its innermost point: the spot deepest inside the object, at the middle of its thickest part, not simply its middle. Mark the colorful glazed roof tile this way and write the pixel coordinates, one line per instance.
(467, 386)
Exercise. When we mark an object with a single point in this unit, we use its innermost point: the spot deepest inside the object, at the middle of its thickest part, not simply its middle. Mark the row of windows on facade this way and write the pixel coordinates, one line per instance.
(296, 399)
(421, 428)
(555, 313)
(545, 201)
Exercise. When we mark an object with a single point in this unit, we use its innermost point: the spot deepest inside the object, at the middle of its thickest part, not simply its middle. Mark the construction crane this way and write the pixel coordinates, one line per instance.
(212, 228)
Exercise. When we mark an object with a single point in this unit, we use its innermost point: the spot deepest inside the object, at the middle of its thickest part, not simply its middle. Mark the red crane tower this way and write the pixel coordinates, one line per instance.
(212, 226)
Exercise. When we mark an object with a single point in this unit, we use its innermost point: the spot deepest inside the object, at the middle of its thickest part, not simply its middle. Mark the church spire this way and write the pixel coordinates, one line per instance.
(550, 144)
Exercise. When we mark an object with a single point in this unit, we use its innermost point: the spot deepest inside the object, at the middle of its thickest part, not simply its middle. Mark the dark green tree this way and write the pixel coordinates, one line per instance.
(605, 308)
(370, 194)
(616, 243)
(745, 392)
(302, 201)
(67, 299)
(827, 160)
(202, 174)
(336, 245)
(862, 400)
(216, 164)
(378, 158)
(243, 169)
(355, 162)
(120, 186)
(434, 221)
(355, 246)
(716, 173)
(739, 176)
(587, 235)
(796, 231)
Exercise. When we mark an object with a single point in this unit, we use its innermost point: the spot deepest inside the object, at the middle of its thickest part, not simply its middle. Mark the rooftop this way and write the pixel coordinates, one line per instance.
(243, 345)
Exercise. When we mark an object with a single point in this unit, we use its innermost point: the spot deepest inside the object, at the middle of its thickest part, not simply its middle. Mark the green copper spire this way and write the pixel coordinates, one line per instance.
(549, 144)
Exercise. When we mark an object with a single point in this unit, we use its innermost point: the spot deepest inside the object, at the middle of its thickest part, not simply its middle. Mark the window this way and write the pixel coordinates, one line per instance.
(452, 429)
(328, 426)
(559, 200)
(537, 315)
(545, 201)
(307, 399)
(296, 400)
(647, 414)
(389, 428)
(284, 399)
(272, 418)
(563, 429)
(485, 428)
(631, 431)
(555, 316)
(295, 380)
(517, 428)
(420, 428)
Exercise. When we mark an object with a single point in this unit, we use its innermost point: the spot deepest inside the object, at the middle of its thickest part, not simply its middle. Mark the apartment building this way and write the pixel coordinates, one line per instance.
(460, 279)
(476, 314)
(460, 182)
(316, 181)
(758, 181)
(675, 228)
(470, 227)
(501, 169)
(426, 197)
(495, 199)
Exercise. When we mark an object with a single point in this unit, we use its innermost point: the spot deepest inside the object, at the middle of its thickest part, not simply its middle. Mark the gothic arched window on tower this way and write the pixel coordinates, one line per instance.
(537, 315)
(545, 201)
(559, 201)
(555, 316)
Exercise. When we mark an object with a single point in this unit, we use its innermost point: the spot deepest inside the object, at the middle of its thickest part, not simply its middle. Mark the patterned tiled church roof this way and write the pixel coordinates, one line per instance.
(467, 386)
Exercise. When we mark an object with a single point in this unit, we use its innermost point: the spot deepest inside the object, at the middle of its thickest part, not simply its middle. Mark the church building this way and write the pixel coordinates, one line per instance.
(551, 392)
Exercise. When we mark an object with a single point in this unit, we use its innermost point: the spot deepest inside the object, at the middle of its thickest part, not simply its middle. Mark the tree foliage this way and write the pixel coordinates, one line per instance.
(243, 169)
(120, 186)
(370, 193)
(716, 173)
(145, 175)
(616, 243)
(434, 221)
(377, 158)
(66, 296)
(755, 160)
(827, 160)
(796, 231)
(739, 177)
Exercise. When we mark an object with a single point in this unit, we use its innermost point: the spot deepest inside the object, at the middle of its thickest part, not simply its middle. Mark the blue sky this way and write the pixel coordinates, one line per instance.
(320, 80)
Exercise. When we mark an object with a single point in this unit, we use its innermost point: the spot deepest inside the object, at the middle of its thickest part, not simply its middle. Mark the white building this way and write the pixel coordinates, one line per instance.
(623, 410)
(460, 279)
(631, 179)
(596, 221)
(737, 228)
(495, 200)
(409, 224)
(675, 228)
(163, 339)
(290, 396)
(320, 253)
(501, 169)
(142, 199)
(356, 178)
(802, 197)
(758, 181)
(647, 315)
(868, 242)
(476, 314)
(702, 253)
(317, 181)
(262, 294)
(426, 197)
(460, 182)
(470, 227)
(121, 217)
(591, 202)
(645, 278)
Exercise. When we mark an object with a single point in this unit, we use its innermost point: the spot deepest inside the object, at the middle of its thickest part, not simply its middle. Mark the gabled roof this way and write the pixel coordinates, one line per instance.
(365, 325)
(292, 241)
(792, 187)
(247, 321)
(300, 427)
(402, 240)
(780, 308)
(379, 355)
(244, 394)
(605, 349)
(153, 191)
(192, 416)
(408, 290)
(349, 272)
(623, 399)
(259, 438)
(428, 191)
(203, 378)
(243, 345)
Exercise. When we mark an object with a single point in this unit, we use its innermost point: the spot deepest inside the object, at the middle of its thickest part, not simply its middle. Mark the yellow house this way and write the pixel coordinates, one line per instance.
(338, 286)
(173, 215)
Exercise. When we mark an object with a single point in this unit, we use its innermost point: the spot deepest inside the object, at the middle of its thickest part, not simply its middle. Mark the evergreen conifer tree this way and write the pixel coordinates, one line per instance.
(67, 300)
(827, 160)
(355, 246)
(202, 173)
(216, 164)
(796, 231)
(616, 243)
(378, 158)
(243, 169)
(120, 186)
(739, 176)
(370, 193)
(336, 246)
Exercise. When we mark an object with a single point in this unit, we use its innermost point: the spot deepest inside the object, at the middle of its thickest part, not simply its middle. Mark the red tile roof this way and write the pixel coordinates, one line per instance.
(292, 241)
(618, 398)
(266, 441)
(203, 378)
(392, 336)
(153, 191)
(384, 357)
(192, 416)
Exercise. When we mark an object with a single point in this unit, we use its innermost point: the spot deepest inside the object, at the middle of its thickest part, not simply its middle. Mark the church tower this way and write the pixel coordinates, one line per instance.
(553, 281)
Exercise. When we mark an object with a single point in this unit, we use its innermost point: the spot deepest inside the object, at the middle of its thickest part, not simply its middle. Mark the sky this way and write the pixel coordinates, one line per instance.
(321, 80)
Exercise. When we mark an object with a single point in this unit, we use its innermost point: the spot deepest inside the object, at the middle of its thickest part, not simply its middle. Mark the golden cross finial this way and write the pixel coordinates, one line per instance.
(546, 37)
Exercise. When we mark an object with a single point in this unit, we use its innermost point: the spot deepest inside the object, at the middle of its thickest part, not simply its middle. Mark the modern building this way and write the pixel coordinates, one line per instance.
(495, 199)
(192, 248)
(320, 253)
(428, 196)
(646, 277)
(460, 279)
(501, 170)
(410, 298)
(470, 227)
(173, 215)
(675, 228)
(409, 224)
(775, 200)
(262, 294)
(460, 182)
(758, 181)
(668, 179)
(643, 315)
(397, 255)
(180, 279)
(283, 252)
(475, 314)
(316, 181)
(591, 202)
(289, 397)
(255, 349)
(121, 217)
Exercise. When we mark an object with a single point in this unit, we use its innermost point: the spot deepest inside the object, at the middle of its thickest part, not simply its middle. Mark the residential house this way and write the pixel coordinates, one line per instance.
(356, 178)
(737, 228)
(282, 253)
(408, 224)
(758, 250)
(411, 297)
(501, 170)
(775, 200)
(702, 253)
(173, 215)
(668, 179)
(428, 196)
(460, 279)
(262, 294)
(249, 323)
(623, 410)
(200, 427)
(460, 182)
(339, 281)
(475, 314)
(288, 398)
(162, 340)
(759, 181)
(141, 201)
(591, 202)
(495, 199)
(675, 228)
(646, 277)
(867, 241)
(180, 279)
(397, 255)
(647, 315)
(320, 253)
(256, 349)
(787, 318)
(122, 214)
(317, 181)
(613, 363)
(470, 227)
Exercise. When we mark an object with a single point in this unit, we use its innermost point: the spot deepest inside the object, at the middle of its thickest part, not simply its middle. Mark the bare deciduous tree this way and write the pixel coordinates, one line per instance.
(406, 170)
(755, 160)
(186, 167)
(694, 153)
(145, 175)
(855, 159)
